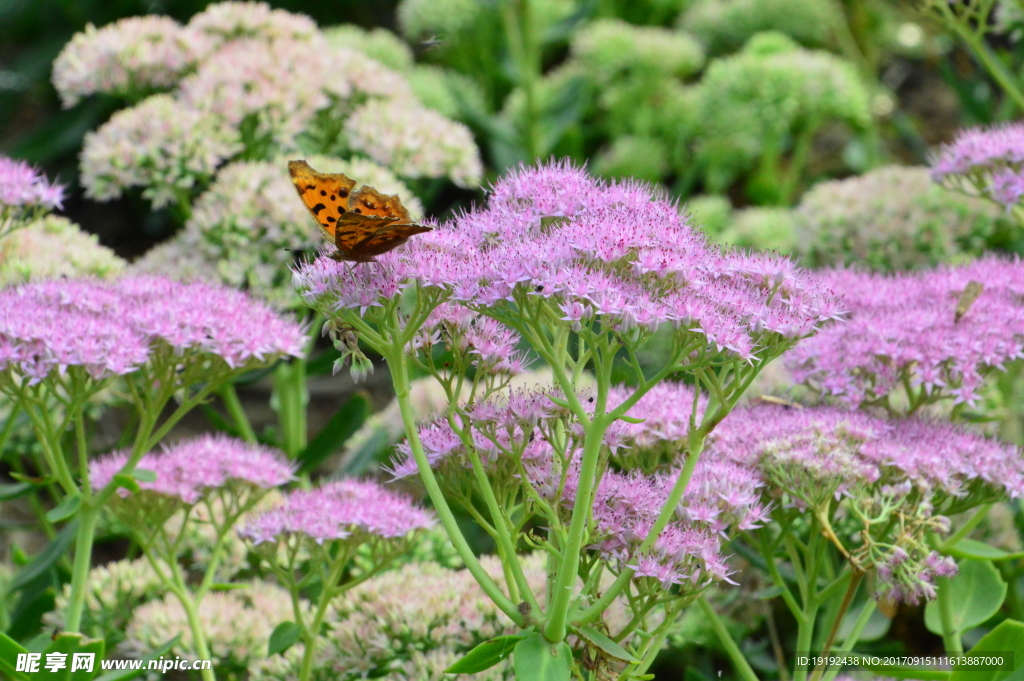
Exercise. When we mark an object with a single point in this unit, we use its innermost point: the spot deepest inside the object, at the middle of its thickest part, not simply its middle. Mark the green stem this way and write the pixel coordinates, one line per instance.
(950, 634)
(198, 634)
(396, 360)
(562, 596)
(88, 516)
(991, 63)
(600, 605)
(851, 639)
(743, 668)
(311, 633)
(837, 620)
(237, 413)
(966, 528)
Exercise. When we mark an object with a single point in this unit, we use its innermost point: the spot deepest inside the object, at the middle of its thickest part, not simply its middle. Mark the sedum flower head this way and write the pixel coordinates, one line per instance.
(761, 228)
(891, 218)
(448, 92)
(986, 161)
(748, 103)
(379, 44)
(725, 25)
(128, 58)
(382, 625)
(114, 591)
(175, 259)
(23, 190)
(52, 247)
(248, 224)
(611, 48)
(904, 330)
(161, 145)
(643, 158)
(617, 252)
(338, 510)
(188, 470)
(280, 85)
(113, 328)
(894, 479)
(237, 623)
(414, 142)
(227, 21)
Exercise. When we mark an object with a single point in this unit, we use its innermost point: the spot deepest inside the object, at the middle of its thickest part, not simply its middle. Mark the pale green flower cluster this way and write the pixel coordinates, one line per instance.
(724, 26)
(246, 227)
(53, 246)
(268, 83)
(115, 591)
(237, 623)
(761, 228)
(750, 106)
(892, 218)
(405, 622)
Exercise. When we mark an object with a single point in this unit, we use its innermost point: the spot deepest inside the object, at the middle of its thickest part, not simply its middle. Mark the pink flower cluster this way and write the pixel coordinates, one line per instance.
(722, 495)
(336, 511)
(840, 449)
(905, 327)
(111, 328)
(189, 469)
(489, 345)
(21, 186)
(990, 161)
(615, 252)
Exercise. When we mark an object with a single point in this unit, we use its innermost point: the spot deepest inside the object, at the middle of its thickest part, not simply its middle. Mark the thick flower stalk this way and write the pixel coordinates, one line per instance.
(583, 273)
(158, 340)
(314, 536)
(226, 477)
(917, 338)
(879, 492)
(25, 194)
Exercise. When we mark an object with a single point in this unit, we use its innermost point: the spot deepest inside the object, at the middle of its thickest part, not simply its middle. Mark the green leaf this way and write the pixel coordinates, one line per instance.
(37, 482)
(485, 655)
(971, 548)
(340, 428)
(876, 627)
(1007, 637)
(18, 489)
(46, 558)
(975, 594)
(144, 475)
(127, 674)
(9, 651)
(127, 482)
(65, 509)
(767, 593)
(283, 637)
(606, 645)
(68, 644)
(537, 659)
(96, 647)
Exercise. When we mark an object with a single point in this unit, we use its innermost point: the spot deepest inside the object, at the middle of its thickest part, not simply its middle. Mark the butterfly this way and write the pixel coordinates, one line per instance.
(361, 224)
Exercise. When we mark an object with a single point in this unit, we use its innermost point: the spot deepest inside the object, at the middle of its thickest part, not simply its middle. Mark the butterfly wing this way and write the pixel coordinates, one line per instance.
(375, 223)
(325, 195)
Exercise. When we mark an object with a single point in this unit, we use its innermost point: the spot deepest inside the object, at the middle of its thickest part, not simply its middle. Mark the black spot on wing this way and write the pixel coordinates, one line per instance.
(317, 208)
(323, 192)
(310, 186)
(330, 219)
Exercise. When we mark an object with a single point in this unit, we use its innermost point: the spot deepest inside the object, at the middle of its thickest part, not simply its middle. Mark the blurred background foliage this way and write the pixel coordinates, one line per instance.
(781, 124)
(753, 101)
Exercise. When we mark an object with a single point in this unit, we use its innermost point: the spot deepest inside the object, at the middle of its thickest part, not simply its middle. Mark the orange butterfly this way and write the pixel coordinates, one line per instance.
(362, 224)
